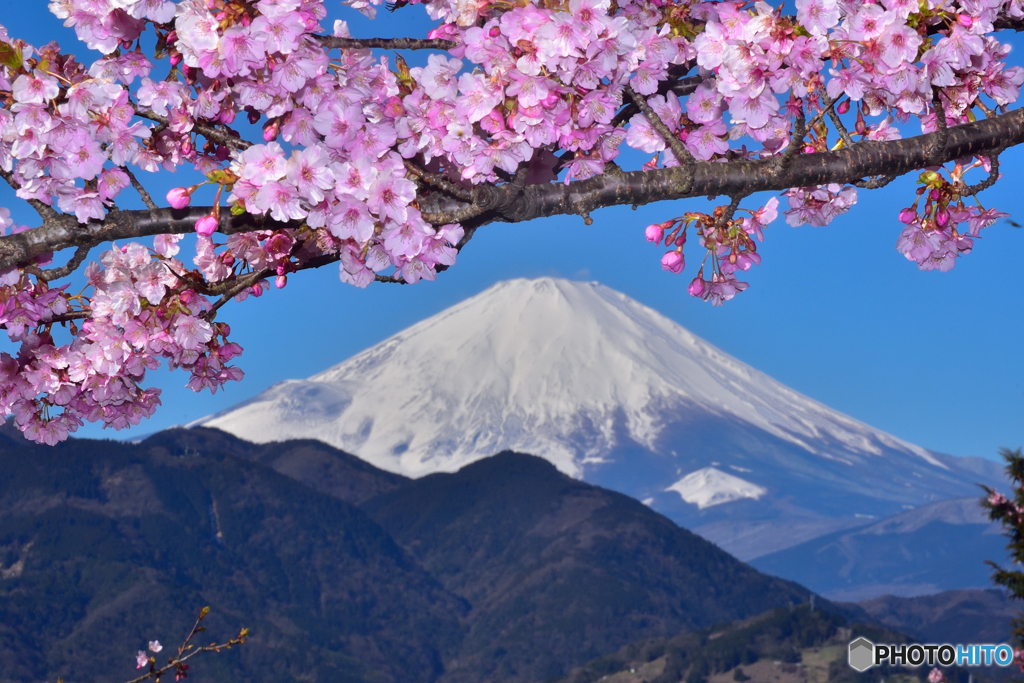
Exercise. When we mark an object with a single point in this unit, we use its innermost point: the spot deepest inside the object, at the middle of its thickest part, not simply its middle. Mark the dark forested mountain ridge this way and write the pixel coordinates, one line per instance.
(104, 545)
(558, 571)
(507, 570)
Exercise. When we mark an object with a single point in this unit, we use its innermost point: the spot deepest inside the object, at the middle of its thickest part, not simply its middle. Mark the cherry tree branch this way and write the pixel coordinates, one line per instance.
(515, 202)
(331, 42)
(796, 141)
(219, 135)
(438, 181)
(143, 193)
(830, 108)
(45, 211)
(674, 143)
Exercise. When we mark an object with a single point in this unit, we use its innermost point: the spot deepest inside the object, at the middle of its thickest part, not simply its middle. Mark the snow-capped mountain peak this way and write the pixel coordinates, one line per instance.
(544, 366)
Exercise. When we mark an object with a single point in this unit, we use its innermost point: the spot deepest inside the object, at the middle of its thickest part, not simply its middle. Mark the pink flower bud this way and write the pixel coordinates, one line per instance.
(696, 287)
(965, 20)
(673, 262)
(281, 281)
(175, 58)
(655, 233)
(257, 291)
(179, 197)
(808, 149)
(908, 216)
(942, 217)
(494, 32)
(271, 129)
(843, 107)
(206, 226)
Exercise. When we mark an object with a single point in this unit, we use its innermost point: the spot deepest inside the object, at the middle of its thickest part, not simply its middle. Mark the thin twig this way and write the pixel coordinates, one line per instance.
(730, 210)
(44, 210)
(993, 174)
(146, 198)
(678, 148)
(331, 42)
(796, 140)
(942, 130)
(830, 109)
(212, 133)
(63, 271)
(240, 286)
(440, 182)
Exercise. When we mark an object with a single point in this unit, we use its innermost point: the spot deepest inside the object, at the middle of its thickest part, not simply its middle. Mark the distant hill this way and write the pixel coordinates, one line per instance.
(558, 571)
(961, 616)
(784, 645)
(934, 548)
(313, 463)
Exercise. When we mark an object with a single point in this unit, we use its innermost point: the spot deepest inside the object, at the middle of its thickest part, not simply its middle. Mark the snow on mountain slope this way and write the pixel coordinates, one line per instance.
(709, 486)
(542, 366)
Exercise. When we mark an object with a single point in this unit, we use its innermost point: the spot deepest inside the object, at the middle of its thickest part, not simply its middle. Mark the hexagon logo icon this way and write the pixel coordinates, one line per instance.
(862, 654)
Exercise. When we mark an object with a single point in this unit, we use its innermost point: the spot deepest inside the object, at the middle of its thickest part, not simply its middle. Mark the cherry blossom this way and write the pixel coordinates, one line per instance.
(384, 169)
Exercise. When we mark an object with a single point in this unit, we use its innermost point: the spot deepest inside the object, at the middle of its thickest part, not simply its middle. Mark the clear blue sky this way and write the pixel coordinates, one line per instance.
(835, 313)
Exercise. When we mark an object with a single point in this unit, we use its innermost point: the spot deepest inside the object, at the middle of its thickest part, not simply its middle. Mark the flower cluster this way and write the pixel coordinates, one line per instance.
(142, 309)
(728, 243)
(932, 237)
(373, 164)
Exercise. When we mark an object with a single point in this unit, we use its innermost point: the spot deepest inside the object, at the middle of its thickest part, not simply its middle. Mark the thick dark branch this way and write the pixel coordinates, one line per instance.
(385, 43)
(64, 232)
(515, 203)
(865, 159)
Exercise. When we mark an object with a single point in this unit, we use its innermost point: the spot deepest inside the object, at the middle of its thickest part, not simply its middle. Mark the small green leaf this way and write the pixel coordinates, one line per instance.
(10, 56)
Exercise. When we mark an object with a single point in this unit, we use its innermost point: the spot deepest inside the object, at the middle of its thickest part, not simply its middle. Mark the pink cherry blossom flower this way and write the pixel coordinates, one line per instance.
(817, 16)
(36, 88)
(190, 332)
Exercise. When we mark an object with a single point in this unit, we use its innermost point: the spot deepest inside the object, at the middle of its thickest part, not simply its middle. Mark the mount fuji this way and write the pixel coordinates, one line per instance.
(614, 393)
